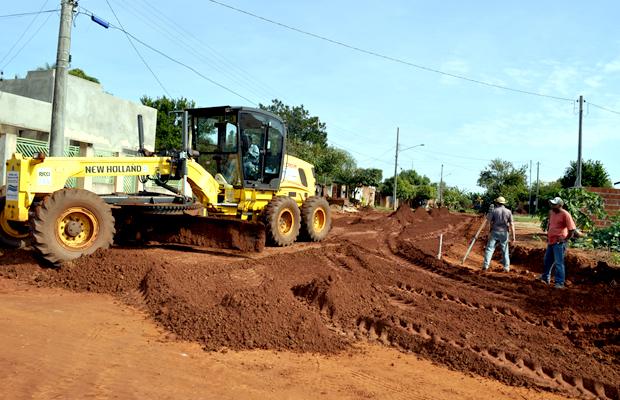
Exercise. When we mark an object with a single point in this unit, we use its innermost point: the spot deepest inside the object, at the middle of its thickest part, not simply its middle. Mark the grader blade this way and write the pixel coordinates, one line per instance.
(248, 236)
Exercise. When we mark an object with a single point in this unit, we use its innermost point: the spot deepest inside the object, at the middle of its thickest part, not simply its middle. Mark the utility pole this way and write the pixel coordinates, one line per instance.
(440, 184)
(529, 209)
(537, 183)
(395, 170)
(578, 177)
(57, 132)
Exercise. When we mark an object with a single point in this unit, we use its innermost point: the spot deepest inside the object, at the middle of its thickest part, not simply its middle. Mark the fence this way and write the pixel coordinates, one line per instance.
(27, 148)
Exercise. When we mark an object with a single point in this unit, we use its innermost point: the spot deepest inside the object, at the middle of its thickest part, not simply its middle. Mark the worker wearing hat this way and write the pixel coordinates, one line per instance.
(559, 231)
(500, 218)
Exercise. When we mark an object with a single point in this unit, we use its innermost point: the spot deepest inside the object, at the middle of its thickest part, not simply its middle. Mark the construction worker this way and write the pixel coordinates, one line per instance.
(499, 218)
(560, 229)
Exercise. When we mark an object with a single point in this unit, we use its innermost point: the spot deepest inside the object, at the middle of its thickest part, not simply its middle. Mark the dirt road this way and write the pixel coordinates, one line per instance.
(369, 313)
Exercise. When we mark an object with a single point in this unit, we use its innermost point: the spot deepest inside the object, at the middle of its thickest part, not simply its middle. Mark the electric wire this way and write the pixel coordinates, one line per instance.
(26, 14)
(139, 55)
(205, 46)
(603, 108)
(389, 58)
(181, 43)
(175, 61)
(28, 41)
(25, 30)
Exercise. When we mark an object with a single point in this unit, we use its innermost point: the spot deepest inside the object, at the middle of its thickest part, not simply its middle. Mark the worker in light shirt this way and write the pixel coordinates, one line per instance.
(559, 231)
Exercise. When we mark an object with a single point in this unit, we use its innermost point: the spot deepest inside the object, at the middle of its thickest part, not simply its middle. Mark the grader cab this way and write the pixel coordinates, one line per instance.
(239, 189)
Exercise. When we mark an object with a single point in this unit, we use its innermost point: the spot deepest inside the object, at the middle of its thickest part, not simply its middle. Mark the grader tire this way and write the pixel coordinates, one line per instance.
(316, 218)
(13, 234)
(70, 223)
(282, 221)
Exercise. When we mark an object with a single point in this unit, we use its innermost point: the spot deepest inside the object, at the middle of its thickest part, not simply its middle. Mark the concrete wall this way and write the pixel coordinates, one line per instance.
(92, 116)
(611, 197)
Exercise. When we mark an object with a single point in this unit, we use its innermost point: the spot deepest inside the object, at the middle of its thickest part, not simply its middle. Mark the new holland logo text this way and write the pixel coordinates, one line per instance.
(112, 169)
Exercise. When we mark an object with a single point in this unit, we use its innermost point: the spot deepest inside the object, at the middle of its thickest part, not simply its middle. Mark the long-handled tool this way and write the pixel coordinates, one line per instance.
(474, 241)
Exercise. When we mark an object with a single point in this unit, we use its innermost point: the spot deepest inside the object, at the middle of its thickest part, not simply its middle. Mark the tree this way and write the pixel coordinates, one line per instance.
(168, 133)
(454, 198)
(75, 72)
(301, 126)
(593, 174)
(410, 186)
(81, 74)
(358, 177)
(580, 204)
(307, 139)
(501, 178)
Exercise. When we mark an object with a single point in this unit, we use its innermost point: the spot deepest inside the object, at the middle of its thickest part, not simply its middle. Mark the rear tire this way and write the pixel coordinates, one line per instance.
(69, 223)
(282, 220)
(13, 234)
(316, 218)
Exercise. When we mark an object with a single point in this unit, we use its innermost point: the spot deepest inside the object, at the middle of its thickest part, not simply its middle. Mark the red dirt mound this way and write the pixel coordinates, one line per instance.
(381, 283)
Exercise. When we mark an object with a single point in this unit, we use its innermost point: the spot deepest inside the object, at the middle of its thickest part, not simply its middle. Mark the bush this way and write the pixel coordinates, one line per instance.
(580, 204)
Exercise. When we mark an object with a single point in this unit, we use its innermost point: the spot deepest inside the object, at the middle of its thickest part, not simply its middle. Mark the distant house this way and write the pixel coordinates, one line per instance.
(96, 124)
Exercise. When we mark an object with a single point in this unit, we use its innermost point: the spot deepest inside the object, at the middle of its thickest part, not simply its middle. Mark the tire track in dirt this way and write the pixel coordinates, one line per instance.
(541, 375)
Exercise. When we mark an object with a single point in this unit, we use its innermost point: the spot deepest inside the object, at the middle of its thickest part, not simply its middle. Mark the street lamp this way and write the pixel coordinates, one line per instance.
(396, 166)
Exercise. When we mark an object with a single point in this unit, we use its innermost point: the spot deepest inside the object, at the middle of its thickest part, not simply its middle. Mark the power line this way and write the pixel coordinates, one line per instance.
(389, 58)
(176, 61)
(26, 14)
(26, 30)
(28, 41)
(602, 108)
(204, 45)
(139, 55)
(182, 42)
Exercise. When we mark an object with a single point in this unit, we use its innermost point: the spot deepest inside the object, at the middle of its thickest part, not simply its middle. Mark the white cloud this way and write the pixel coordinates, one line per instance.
(613, 66)
(594, 81)
(523, 77)
(456, 67)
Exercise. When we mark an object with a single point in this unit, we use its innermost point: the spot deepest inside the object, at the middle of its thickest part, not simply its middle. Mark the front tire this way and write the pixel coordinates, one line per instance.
(70, 223)
(316, 218)
(282, 220)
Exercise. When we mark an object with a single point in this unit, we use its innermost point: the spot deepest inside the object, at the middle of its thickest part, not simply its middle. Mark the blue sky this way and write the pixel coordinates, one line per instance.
(555, 50)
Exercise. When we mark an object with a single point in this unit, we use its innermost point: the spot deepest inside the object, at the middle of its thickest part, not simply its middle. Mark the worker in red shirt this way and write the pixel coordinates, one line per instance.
(559, 231)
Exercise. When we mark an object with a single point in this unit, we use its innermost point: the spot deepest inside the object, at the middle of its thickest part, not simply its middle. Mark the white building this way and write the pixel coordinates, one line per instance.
(96, 124)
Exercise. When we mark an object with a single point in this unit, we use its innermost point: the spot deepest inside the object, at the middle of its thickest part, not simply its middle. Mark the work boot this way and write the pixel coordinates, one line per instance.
(541, 280)
(558, 286)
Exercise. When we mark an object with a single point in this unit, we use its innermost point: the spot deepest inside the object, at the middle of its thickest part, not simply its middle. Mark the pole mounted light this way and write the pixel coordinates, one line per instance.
(396, 166)
(100, 21)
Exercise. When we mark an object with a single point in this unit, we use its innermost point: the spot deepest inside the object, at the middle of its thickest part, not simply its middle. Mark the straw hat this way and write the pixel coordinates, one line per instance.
(500, 200)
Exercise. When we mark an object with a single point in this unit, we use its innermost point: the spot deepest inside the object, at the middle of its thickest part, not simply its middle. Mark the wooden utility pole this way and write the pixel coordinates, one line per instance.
(578, 175)
(57, 132)
(395, 171)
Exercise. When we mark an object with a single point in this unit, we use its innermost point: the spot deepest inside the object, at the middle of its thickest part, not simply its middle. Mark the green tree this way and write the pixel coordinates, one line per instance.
(307, 139)
(81, 74)
(168, 132)
(593, 174)
(580, 204)
(410, 186)
(454, 198)
(301, 126)
(501, 178)
(75, 72)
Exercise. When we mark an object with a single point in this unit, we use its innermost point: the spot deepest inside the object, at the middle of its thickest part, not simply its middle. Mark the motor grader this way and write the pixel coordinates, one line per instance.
(239, 189)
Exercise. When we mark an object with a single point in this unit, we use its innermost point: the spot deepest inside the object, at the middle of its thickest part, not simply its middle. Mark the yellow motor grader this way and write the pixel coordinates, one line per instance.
(239, 189)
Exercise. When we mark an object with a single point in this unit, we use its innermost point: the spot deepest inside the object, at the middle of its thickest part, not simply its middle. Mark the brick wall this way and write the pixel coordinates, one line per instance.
(611, 197)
